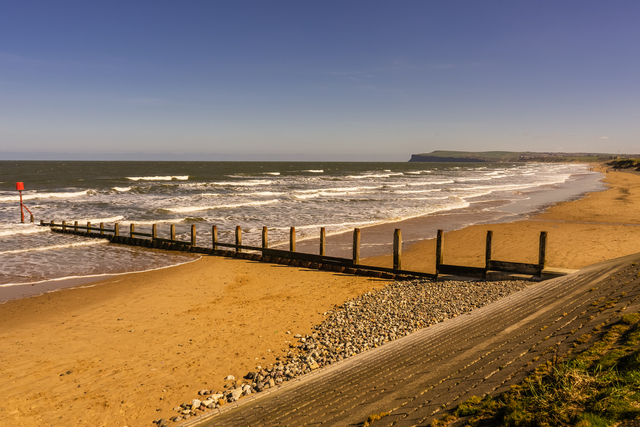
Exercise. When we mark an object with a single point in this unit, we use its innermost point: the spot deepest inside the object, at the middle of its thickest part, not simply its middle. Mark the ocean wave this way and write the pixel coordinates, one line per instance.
(314, 170)
(433, 190)
(230, 206)
(159, 178)
(21, 229)
(48, 248)
(415, 184)
(122, 189)
(376, 175)
(32, 196)
(250, 183)
(271, 173)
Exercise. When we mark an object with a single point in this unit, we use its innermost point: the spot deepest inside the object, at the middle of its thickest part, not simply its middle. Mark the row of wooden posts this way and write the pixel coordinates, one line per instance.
(441, 267)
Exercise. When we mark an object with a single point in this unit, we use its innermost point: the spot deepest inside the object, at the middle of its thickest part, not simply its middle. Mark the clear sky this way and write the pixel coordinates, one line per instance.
(316, 80)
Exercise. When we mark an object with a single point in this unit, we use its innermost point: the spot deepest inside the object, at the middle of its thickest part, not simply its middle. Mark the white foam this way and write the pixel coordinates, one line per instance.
(159, 178)
(21, 229)
(31, 196)
(314, 170)
(48, 248)
(206, 208)
(122, 189)
(250, 183)
(448, 181)
(272, 173)
(433, 190)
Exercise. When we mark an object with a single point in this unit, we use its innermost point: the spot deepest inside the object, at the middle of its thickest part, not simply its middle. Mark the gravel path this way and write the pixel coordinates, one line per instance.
(366, 322)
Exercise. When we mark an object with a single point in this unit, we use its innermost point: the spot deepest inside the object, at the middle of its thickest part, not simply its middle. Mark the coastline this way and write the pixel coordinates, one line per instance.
(376, 243)
(153, 339)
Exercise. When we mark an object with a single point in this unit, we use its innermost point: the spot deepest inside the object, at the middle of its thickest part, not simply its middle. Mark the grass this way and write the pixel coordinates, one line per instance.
(599, 386)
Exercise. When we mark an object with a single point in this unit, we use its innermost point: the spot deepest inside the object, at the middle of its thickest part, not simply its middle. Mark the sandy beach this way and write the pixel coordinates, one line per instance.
(125, 350)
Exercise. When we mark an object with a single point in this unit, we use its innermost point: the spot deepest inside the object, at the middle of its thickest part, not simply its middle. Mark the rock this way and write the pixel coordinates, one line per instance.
(195, 404)
(230, 378)
(203, 392)
(236, 393)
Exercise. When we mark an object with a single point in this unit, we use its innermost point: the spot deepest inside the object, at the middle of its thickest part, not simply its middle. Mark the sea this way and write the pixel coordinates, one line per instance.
(339, 196)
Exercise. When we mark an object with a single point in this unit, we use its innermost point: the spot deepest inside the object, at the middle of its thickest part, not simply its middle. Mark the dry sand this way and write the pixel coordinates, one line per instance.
(137, 345)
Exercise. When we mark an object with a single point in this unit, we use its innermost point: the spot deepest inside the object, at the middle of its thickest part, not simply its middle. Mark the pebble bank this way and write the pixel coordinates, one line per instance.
(360, 324)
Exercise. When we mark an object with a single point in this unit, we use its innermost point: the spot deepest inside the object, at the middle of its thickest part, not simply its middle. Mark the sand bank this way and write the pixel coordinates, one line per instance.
(128, 349)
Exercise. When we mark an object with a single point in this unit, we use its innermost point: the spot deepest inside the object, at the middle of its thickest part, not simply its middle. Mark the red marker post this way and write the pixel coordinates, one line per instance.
(20, 187)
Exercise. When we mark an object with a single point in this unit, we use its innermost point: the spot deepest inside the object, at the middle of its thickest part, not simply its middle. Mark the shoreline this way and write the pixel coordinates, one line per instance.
(376, 243)
(131, 349)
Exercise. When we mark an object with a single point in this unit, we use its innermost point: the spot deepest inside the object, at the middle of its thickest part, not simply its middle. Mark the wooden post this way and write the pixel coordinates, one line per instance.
(42, 222)
(154, 232)
(116, 229)
(238, 237)
(214, 237)
(132, 229)
(542, 256)
(64, 225)
(323, 240)
(102, 228)
(292, 239)
(173, 232)
(32, 220)
(487, 253)
(356, 246)
(397, 249)
(193, 235)
(439, 241)
(75, 226)
(53, 223)
(88, 227)
(265, 238)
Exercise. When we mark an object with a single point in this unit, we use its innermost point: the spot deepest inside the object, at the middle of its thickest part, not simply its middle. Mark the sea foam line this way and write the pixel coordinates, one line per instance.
(206, 208)
(31, 196)
(48, 248)
(159, 178)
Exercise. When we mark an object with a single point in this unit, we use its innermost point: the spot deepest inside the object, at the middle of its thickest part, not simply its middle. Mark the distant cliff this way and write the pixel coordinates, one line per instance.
(428, 158)
(510, 156)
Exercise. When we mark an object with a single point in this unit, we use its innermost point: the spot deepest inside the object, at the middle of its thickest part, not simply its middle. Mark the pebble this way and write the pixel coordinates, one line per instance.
(365, 322)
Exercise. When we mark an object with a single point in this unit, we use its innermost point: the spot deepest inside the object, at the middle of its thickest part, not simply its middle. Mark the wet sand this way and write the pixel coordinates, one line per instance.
(125, 350)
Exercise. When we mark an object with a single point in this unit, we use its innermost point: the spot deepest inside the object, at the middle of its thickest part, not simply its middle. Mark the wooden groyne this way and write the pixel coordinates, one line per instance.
(320, 261)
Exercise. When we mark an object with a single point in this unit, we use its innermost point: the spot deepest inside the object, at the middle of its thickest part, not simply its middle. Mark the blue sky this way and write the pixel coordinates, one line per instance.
(304, 80)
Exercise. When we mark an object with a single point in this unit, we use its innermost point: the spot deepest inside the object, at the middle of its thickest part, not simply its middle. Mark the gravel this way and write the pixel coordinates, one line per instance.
(365, 322)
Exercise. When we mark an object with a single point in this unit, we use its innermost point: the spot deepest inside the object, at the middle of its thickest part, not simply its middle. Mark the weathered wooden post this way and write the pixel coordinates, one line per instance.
(397, 249)
(214, 237)
(542, 255)
(265, 238)
(64, 226)
(154, 231)
(42, 222)
(102, 228)
(75, 226)
(32, 220)
(238, 238)
(356, 246)
(439, 241)
(292, 239)
(132, 229)
(172, 235)
(487, 253)
(52, 224)
(193, 235)
(88, 227)
(323, 241)
(116, 229)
